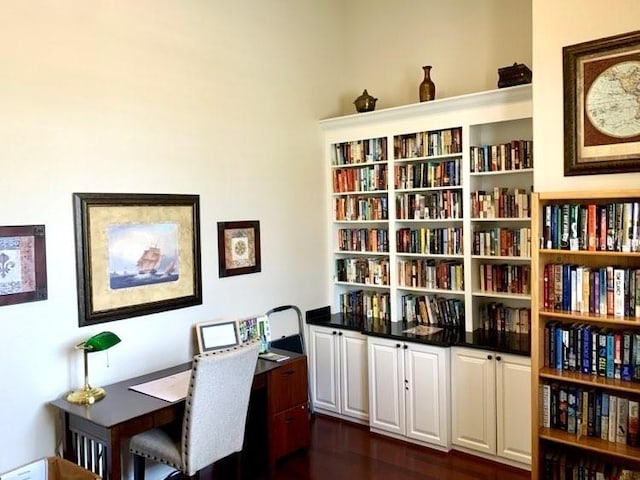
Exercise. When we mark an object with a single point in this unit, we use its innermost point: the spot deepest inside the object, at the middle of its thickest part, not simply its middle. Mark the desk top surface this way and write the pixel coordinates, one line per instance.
(122, 404)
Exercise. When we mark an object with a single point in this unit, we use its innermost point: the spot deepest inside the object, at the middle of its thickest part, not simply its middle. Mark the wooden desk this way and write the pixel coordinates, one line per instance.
(278, 419)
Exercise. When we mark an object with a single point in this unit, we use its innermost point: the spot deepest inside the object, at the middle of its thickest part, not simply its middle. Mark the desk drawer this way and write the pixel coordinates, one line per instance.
(290, 431)
(288, 385)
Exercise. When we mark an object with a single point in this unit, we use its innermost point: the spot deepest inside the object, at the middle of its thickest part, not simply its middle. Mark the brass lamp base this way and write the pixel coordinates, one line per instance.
(86, 396)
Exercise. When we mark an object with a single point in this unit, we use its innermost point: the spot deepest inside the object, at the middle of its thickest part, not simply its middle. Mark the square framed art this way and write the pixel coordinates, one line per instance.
(23, 264)
(136, 254)
(602, 105)
(238, 247)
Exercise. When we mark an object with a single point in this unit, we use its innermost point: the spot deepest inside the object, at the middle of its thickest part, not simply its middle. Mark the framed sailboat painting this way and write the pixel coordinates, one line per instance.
(136, 254)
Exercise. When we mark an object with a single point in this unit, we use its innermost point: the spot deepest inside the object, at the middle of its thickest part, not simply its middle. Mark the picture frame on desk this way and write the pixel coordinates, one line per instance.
(601, 110)
(217, 335)
(136, 254)
(238, 248)
(23, 264)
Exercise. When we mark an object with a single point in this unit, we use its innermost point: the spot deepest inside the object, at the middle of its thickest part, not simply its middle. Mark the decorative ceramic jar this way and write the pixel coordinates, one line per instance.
(427, 87)
(365, 102)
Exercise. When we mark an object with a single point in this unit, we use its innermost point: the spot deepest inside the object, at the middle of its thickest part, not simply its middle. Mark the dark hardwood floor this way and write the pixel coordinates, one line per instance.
(342, 450)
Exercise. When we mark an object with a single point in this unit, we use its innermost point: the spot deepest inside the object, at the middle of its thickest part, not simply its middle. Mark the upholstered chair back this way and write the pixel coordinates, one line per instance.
(216, 405)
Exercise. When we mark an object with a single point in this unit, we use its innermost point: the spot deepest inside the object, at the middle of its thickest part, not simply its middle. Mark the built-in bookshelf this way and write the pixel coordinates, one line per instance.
(586, 333)
(501, 177)
(429, 213)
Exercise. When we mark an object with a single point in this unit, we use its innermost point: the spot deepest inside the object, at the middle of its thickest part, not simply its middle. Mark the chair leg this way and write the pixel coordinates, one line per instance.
(138, 467)
(238, 466)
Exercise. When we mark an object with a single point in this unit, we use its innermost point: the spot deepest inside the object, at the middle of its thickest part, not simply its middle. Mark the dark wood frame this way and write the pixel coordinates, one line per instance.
(39, 263)
(225, 268)
(84, 204)
(606, 154)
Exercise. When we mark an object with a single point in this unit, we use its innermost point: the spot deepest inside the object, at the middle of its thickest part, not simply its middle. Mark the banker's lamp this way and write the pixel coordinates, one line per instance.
(88, 395)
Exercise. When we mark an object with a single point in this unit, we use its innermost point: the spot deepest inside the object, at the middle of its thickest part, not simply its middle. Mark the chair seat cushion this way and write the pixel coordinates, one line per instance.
(158, 445)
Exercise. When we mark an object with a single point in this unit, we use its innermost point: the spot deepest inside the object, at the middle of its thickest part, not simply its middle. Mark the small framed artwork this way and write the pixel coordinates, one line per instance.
(136, 254)
(23, 264)
(216, 335)
(601, 105)
(238, 247)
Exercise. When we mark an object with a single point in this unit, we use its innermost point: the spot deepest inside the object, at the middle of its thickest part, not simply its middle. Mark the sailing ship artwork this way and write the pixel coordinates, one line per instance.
(142, 254)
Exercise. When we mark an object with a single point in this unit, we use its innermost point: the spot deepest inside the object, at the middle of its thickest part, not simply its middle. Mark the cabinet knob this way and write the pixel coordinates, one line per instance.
(498, 358)
(397, 345)
(489, 357)
(340, 333)
(334, 333)
(405, 347)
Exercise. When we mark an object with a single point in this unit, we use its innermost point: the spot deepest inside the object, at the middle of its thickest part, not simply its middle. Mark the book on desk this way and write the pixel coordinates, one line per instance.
(273, 357)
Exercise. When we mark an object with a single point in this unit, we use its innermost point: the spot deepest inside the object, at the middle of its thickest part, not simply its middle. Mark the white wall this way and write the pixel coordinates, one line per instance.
(214, 98)
(557, 24)
(465, 41)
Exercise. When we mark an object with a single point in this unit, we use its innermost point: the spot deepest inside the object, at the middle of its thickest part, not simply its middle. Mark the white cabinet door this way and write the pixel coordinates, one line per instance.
(513, 392)
(324, 358)
(473, 409)
(386, 395)
(427, 393)
(354, 375)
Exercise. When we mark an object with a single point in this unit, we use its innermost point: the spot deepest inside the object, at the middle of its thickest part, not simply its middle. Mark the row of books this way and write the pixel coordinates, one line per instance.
(430, 241)
(498, 318)
(432, 274)
(611, 227)
(505, 278)
(443, 204)
(591, 350)
(363, 239)
(607, 290)
(360, 151)
(363, 303)
(505, 242)
(371, 271)
(556, 466)
(589, 412)
(513, 155)
(362, 179)
(432, 310)
(500, 203)
(428, 144)
(428, 174)
(361, 208)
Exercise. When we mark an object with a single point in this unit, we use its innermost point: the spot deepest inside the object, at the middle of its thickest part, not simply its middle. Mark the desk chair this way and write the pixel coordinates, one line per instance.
(214, 418)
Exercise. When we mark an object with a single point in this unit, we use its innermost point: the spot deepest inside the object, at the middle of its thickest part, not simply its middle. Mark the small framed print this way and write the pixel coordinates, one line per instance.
(238, 247)
(601, 105)
(23, 264)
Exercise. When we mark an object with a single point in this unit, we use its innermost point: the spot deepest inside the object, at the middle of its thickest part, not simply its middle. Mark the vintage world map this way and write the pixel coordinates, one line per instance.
(613, 100)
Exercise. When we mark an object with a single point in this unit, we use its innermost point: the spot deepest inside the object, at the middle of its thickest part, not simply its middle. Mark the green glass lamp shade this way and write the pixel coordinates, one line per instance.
(101, 341)
(88, 395)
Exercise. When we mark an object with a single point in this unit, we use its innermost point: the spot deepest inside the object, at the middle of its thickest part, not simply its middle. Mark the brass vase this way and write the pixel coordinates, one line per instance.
(427, 87)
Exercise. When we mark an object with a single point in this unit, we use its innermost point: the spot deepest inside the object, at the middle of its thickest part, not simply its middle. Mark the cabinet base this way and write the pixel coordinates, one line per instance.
(493, 458)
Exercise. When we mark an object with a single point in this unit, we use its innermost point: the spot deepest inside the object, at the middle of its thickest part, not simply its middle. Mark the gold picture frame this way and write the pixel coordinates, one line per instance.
(602, 105)
(238, 247)
(136, 254)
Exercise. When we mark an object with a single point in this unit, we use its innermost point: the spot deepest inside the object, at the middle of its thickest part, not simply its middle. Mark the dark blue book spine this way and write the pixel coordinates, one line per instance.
(586, 349)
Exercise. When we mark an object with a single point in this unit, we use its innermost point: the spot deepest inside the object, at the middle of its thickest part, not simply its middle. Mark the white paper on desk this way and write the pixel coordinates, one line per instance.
(171, 388)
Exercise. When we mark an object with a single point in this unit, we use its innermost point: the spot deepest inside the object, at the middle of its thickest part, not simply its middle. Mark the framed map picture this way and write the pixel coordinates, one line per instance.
(602, 105)
(238, 247)
(23, 264)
